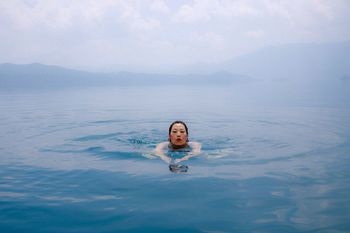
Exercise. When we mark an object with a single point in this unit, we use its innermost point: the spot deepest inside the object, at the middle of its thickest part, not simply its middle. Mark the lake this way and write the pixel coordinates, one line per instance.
(80, 160)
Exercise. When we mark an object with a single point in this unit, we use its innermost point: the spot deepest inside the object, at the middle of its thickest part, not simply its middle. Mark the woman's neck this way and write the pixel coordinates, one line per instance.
(177, 147)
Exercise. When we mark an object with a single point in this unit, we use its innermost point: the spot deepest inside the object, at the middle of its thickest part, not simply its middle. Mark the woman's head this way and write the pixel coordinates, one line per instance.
(178, 134)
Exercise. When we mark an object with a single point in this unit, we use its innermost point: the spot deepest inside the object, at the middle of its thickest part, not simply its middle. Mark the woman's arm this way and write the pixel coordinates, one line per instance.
(159, 151)
(196, 150)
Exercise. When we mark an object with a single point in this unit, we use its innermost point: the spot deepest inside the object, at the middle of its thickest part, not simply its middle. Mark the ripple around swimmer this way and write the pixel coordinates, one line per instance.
(251, 141)
(99, 137)
(133, 137)
(108, 121)
(99, 152)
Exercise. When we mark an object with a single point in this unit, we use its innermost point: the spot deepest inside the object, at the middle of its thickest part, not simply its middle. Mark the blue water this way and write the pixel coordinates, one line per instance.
(81, 161)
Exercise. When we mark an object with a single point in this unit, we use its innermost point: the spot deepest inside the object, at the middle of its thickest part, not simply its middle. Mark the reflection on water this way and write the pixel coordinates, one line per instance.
(83, 161)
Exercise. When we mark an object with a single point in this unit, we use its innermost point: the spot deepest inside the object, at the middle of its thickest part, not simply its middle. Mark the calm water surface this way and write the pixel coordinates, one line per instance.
(81, 161)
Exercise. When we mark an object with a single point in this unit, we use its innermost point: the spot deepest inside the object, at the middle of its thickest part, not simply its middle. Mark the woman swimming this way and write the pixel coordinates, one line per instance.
(177, 144)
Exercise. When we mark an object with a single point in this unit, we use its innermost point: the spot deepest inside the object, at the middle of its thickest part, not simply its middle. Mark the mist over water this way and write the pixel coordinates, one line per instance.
(81, 160)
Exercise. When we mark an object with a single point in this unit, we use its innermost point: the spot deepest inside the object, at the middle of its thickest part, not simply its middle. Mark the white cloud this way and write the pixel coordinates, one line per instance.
(63, 14)
(158, 6)
(136, 22)
(207, 40)
(101, 32)
(299, 12)
(51, 14)
(255, 34)
(189, 13)
(212, 10)
(323, 8)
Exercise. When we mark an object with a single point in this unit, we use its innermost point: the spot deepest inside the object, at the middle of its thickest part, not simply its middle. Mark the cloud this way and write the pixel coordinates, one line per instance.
(299, 12)
(153, 32)
(158, 6)
(255, 34)
(134, 20)
(64, 14)
(212, 10)
(208, 39)
(189, 13)
(50, 14)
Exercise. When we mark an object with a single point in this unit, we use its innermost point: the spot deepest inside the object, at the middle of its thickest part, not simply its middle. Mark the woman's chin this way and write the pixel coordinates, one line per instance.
(179, 143)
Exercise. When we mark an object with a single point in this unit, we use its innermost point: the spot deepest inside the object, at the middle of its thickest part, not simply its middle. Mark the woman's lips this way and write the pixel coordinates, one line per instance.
(178, 141)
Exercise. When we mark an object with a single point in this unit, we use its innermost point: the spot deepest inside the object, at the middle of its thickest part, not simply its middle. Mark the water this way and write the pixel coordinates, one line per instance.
(81, 161)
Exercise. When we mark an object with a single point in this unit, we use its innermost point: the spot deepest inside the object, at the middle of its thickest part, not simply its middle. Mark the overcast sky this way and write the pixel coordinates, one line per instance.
(158, 34)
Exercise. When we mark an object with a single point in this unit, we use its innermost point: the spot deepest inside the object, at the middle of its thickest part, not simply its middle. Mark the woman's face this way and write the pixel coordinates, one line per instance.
(178, 135)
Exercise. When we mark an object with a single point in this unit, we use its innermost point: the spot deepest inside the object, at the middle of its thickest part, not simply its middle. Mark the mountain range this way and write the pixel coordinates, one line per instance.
(46, 76)
(287, 62)
(310, 66)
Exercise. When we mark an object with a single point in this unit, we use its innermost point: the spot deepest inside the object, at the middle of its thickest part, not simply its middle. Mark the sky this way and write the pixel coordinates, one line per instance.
(160, 35)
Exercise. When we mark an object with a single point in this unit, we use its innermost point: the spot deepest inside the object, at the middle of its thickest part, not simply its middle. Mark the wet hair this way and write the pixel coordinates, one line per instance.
(178, 122)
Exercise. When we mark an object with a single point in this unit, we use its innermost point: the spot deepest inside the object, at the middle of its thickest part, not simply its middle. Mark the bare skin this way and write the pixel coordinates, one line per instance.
(177, 140)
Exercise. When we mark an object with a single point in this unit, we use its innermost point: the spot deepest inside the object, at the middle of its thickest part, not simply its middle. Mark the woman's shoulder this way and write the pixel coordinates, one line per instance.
(196, 147)
(194, 144)
(163, 144)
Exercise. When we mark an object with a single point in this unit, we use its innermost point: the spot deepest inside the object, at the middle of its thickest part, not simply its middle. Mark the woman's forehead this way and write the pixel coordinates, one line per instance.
(178, 126)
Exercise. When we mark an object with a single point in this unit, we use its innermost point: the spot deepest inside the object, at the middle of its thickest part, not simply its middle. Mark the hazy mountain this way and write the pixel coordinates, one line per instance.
(294, 61)
(44, 76)
(40, 76)
(325, 67)
(287, 62)
(305, 71)
(315, 72)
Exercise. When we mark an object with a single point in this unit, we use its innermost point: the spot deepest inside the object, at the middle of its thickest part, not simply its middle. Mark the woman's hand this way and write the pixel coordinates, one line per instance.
(182, 159)
(166, 159)
(159, 151)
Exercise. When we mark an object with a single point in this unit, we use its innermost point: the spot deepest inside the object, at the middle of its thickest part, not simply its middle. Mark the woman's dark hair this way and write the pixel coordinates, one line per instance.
(178, 122)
